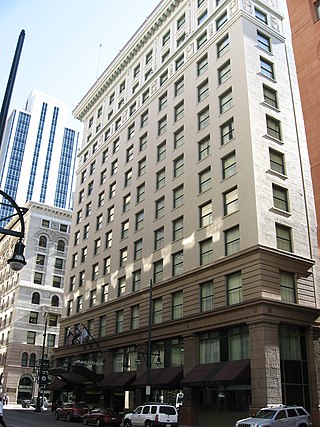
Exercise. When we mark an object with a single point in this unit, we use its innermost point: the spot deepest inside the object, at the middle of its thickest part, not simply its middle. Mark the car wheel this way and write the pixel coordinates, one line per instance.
(147, 423)
(98, 424)
(27, 405)
(85, 422)
(56, 415)
(68, 418)
(127, 423)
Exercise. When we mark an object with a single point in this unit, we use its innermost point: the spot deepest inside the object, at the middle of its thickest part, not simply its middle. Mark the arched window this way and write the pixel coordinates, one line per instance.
(61, 246)
(32, 360)
(55, 301)
(43, 241)
(24, 359)
(35, 298)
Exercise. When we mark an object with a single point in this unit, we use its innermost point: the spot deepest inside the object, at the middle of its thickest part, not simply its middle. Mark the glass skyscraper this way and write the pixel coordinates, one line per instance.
(37, 157)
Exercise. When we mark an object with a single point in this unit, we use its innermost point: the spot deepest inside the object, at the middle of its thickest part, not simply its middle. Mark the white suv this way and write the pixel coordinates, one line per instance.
(150, 414)
(276, 416)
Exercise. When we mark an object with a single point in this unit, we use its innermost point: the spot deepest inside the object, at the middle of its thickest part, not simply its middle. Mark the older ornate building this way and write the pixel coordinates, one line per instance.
(193, 238)
(31, 297)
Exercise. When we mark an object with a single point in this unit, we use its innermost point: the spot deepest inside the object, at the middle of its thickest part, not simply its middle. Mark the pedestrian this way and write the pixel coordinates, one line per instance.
(1, 414)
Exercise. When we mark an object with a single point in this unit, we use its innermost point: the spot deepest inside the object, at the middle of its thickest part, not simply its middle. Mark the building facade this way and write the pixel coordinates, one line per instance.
(193, 238)
(31, 298)
(306, 32)
(37, 157)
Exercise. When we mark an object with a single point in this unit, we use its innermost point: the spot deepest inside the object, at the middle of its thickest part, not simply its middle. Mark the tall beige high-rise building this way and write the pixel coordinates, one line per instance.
(194, 209)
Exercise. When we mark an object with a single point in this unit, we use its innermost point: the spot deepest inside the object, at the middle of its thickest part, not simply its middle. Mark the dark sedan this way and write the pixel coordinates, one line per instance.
(102, 417)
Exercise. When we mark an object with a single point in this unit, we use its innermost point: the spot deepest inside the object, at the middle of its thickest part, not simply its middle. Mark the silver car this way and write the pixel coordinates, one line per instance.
(278, 416)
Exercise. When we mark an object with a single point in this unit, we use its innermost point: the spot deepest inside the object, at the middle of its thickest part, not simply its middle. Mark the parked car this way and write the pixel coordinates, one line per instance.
(276, 416)
(26, 403)
(150, 414)
(72, 411)
(102, 417)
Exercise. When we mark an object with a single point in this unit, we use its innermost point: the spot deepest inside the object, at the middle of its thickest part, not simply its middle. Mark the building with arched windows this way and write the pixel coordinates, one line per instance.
(31, 298)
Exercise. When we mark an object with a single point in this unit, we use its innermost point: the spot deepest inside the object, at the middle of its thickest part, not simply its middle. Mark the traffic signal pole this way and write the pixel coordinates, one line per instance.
(42, 377)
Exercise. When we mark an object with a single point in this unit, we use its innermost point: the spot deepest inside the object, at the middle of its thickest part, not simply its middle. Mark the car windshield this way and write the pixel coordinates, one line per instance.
(268, 414)
(108, 411)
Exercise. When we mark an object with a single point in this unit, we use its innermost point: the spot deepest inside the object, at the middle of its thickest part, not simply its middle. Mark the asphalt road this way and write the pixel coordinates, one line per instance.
(16, 416)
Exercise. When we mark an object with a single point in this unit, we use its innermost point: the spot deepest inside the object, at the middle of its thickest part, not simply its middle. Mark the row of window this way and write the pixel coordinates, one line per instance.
(234, 295)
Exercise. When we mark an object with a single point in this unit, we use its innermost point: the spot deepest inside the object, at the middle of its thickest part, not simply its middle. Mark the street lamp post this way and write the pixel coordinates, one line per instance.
(42, 376)
(148, 386)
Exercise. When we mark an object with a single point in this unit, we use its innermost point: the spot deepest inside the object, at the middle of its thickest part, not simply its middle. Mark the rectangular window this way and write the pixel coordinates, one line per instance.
(205, 214)
(229, 165)
(108, 239)
(270, 96)
(93, 298)
(126, 203)
(79, 303)
(128, 178)
(141, 189)
(161, 151)
(221, 20)
(181, 39)
(177, 228)
(230, 201)
(142, 166)
(273, 127)
(181, 21)
(160, 178)
(157, 311)
(203, 90)
(203, 118)
(225, 101)
(121, 286)
(177, 305)
(166, 38)
(163, 101)
(37, 278)
(33, 317)
(179, 111)
(179, 62)
(139, 217)
(95, 271)
(204, 148)
(277, 162)
(145, 95)
(223, 46)
(202, 17)
(164, 77)
(110, 214)
(317, 9)
(179, 88)
(209, 348)
(178, 196)
(177, 263)
(263, 41)
(280, 198)
(224, 72)
(158, 271)
(102, 326)
(125, 229)
(266, 68)
(162, 125)
(205, 180)
(178, 165)
(232, 240)
(135, 314)
(283, 235)
(101, 199)
(261, 15)
(206, 251)
(112, 190)
(288, 287)
(234, 288)
(56, 281)
(131, 131)
(123, 257)
(202, 40)
(104, 293)
(31, 337)
(136, 280)
(227, 131)
(137, 249)
(119, 321)
(149, 57)
(82, 278)
(206, 297)
(160, 206)
(202, 65)
(159, 239)
(144, 119)
(178, 138)
(106, 265)
(129, 154)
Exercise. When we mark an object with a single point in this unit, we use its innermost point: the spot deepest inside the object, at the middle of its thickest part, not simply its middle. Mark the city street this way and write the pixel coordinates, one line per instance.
(16, 416)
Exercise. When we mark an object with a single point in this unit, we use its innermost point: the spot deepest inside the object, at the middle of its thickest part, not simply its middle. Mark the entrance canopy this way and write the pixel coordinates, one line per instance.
(118, 380)
(161, 377)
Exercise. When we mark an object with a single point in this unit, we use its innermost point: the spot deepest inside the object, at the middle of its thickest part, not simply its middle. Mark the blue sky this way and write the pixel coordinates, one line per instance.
(61, 54)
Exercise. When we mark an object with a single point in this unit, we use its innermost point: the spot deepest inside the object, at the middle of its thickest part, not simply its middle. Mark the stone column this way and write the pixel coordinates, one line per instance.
(189, 411)
(265, 365)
